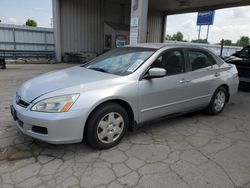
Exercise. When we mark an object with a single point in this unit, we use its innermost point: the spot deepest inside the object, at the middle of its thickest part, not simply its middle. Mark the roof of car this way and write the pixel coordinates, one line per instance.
(160, 45)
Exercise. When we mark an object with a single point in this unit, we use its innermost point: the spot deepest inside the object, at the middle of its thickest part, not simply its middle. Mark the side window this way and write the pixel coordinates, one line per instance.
(199, 60)
(172, 61)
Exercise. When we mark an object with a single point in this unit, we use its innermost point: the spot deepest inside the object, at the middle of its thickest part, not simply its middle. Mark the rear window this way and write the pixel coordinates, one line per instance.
(199, 60)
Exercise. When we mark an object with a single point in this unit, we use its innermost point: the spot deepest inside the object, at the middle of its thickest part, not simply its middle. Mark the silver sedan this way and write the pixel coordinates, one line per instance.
(122, 89)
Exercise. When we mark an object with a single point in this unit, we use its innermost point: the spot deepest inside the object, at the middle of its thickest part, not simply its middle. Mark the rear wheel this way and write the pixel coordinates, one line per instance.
(218, 101)
(106, 126)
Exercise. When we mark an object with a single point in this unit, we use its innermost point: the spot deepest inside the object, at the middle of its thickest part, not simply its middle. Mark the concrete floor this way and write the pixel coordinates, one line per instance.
(190, 151)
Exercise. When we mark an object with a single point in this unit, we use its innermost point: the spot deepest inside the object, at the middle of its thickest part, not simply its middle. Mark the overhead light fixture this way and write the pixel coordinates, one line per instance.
(184, 4)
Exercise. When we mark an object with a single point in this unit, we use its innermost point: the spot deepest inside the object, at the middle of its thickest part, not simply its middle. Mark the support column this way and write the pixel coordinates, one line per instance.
(164, 27)
(57, 29)
(138, 24)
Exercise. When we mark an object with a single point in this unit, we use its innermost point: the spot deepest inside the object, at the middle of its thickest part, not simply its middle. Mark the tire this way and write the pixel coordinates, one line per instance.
(106, 126)
(216, 106)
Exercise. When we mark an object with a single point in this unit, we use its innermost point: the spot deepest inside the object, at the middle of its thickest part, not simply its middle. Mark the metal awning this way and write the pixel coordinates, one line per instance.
(184, 6)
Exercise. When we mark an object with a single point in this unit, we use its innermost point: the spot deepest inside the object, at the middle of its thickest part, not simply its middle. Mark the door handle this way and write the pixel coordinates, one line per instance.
(217, 74)
(184, 81)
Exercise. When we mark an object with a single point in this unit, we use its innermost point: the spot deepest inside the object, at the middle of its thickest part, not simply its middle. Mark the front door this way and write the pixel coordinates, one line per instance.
(162, 96)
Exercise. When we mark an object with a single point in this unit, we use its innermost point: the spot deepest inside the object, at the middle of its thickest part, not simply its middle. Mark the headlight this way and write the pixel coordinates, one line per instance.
(56, 104)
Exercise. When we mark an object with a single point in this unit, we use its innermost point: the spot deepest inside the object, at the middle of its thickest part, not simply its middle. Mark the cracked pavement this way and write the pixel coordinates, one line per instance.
(194, 150)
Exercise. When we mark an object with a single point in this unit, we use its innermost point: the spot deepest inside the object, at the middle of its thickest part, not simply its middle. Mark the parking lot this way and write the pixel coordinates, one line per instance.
(195, 150)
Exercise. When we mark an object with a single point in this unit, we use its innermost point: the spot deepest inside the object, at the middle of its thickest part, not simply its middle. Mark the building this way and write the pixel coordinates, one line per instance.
(86, 25)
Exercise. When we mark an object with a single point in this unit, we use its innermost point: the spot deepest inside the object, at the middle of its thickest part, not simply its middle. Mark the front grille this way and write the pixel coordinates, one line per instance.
(40, 130)
(244, 72)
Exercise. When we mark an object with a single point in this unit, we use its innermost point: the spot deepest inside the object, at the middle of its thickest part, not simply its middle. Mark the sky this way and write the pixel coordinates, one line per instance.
(18, 11)
(228, 23)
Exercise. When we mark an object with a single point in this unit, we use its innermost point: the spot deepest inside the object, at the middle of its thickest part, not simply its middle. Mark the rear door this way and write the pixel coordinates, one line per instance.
(204, 74)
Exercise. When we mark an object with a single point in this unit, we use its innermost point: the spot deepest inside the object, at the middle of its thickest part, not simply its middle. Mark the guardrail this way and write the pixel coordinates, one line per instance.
(227, 50)
(15, 54)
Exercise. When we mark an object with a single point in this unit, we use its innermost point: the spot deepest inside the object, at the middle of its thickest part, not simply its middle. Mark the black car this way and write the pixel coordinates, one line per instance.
(2, 63)
(241, 59)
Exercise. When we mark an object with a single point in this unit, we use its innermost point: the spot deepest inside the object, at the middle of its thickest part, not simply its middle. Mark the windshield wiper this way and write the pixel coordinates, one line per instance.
(99, 69)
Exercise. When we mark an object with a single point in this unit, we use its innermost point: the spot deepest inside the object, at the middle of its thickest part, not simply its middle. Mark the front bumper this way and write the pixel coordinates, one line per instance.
(245, 79)
(244, 83)
(55, 128)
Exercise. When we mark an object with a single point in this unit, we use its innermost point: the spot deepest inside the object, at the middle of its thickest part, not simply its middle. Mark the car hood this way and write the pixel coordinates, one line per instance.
(238, 61)
(232, 58)
(62, 79)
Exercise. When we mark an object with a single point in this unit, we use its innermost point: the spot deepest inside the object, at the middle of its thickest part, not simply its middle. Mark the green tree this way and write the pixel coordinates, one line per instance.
(204, 41)
(243, 41)
(168, 37)
(176, 37)
(31, 23)
(227, 42)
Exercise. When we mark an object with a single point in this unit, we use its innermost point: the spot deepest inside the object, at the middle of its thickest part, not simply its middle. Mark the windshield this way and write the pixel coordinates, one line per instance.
(245, 52)
(120, 61)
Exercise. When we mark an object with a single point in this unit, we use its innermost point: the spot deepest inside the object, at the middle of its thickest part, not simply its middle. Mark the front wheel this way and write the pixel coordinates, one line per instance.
(106, 126)
(218, 101)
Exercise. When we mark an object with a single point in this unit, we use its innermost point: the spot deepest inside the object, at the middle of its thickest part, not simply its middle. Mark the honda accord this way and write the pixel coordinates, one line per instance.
(122, 89)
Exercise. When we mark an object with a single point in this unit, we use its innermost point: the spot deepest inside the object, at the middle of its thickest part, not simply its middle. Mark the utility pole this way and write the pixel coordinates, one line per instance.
(51, 23)
(199, 33)
(207, 33)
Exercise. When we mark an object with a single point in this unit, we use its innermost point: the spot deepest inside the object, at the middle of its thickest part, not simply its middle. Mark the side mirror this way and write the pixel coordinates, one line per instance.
(157, 73)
